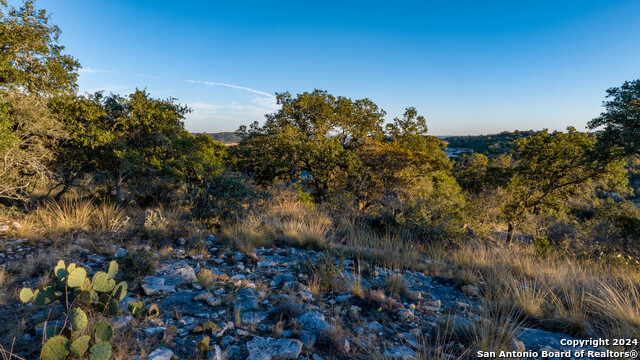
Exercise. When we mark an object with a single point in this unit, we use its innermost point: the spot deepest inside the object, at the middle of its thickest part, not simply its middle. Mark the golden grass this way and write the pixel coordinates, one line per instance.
(109, 217)
(556, 293)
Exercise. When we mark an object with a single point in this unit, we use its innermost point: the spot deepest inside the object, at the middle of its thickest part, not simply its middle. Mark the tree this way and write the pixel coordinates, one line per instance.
(31, 60)
(309, 138)
(471, 172)
(123, 137)
(33, 69)
(552, 167)
(621, 120)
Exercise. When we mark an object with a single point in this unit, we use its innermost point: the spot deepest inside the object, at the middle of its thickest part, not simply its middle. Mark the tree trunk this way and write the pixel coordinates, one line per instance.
(118, 184)
(510, 233)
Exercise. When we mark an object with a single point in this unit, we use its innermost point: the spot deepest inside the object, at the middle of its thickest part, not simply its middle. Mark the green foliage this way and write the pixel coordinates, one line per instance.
(32, 69)
(309, 137)
(471, 172)
(127, 138)
(32, 60)
(542, 245)
(621, 121)
(138, 263)
(551, 168)
(490, 145)
(221, 197)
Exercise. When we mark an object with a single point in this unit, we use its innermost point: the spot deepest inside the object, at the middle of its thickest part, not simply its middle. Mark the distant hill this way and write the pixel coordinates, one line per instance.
(227, 137)
(490, 145)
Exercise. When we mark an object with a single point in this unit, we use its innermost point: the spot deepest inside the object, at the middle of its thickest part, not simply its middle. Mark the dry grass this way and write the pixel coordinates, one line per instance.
(555, 293)
(5, 281)
(65, 215)
(109, 217)
(244, 235)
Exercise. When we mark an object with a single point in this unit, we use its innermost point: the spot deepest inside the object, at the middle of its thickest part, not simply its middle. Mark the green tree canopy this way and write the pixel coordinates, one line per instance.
(33, 69)
(551, 167)
(621, 121)
(31, 60)
(124, 137)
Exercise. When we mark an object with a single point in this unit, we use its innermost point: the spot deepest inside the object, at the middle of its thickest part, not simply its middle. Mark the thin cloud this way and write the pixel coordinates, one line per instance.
(89, 70)
(210, 83)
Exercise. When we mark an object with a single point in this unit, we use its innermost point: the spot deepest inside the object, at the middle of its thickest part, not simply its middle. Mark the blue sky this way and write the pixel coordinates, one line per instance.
(470, 67)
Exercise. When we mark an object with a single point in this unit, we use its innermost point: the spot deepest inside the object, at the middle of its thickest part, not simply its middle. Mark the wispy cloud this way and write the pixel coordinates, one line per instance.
(210, 83)
(89, 70)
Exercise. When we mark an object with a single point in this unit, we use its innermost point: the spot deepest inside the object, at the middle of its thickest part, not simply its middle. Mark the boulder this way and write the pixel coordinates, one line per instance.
(271, 349)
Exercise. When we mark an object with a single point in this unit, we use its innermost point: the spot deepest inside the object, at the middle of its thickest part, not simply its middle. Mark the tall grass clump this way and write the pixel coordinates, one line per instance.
(244, 235)
(109, 217)
(69, 214)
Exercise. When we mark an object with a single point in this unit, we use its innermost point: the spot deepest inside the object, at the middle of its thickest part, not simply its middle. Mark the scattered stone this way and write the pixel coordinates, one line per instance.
(118, 322)
(177, 273)
(246, 300)
(400, 352)
(154, 331)
(270, 349)
(160, 354)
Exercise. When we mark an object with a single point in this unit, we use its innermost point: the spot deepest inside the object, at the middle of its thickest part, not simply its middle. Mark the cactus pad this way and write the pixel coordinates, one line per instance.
(44, 295)
(100, 351)
(113, 269)
(55, 348)
(80, 345)
(26, 294)
(120, 291)
(76, 277)
(101, 282)
(60, 270)
(102, 331)
(78, 319)
(154, 310)
(135, 308)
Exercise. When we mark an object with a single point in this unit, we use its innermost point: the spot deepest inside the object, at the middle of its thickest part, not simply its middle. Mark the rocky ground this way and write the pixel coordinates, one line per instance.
(279, 303)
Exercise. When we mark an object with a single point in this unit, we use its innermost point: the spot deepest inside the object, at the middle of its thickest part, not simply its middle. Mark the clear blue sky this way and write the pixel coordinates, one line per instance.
(470, 67)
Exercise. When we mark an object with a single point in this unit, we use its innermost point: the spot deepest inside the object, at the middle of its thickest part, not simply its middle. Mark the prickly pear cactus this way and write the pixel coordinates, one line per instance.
(135, 308)
(76, 277)
(102, 331)
(80, 345)
(78, 319)
(100, 351)
(113, 269)
(56, 348)
(101, 282)
(75, 291)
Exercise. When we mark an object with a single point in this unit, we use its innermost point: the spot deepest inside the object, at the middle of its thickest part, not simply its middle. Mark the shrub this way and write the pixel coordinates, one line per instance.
(222, 197)
(138, 263)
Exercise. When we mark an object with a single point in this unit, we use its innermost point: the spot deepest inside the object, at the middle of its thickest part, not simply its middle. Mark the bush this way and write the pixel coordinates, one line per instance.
(138, 263)
(221, 197)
